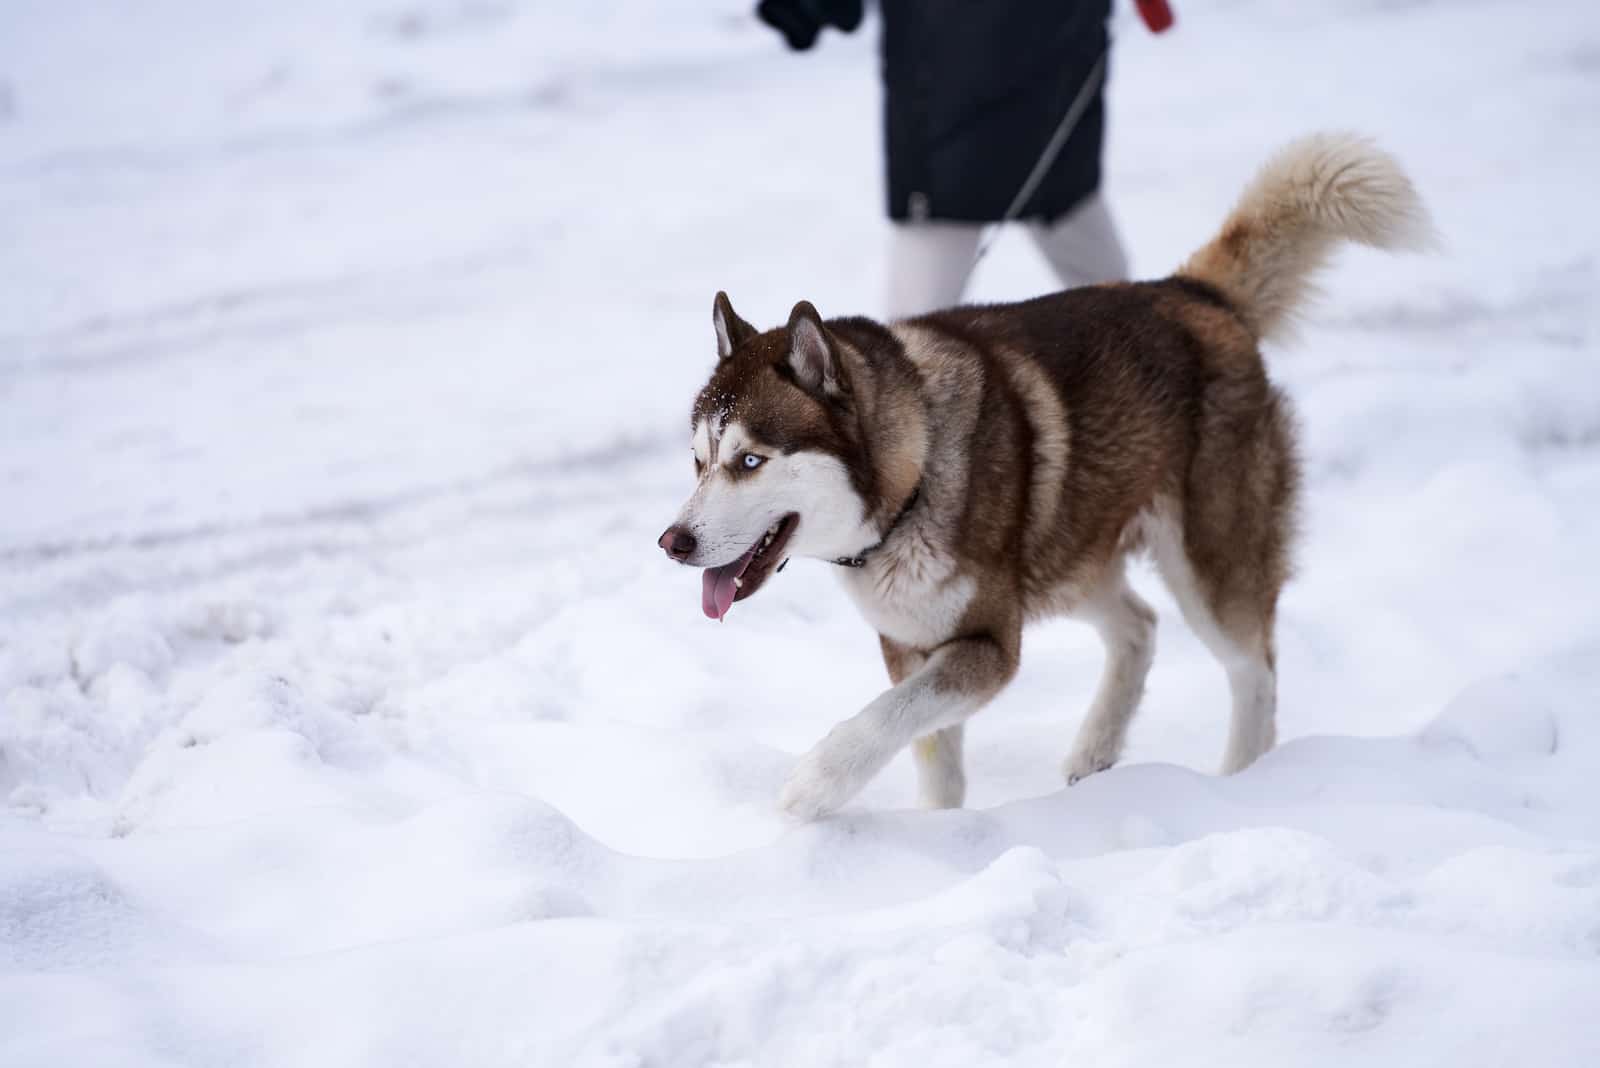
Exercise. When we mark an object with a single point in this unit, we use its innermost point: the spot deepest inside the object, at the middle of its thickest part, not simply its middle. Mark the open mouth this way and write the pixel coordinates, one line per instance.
(738, 580)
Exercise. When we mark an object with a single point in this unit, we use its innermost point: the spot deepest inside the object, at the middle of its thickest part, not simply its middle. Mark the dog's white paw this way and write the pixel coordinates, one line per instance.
(809, 795)
(1237, 759)
(832, 773)
(1085, 762)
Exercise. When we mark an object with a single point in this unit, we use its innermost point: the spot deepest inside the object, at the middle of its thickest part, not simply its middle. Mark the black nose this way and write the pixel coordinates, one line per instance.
(678, 542)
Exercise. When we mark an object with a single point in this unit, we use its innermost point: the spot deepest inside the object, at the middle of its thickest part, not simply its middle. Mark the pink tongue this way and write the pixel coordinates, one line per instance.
(717, 588)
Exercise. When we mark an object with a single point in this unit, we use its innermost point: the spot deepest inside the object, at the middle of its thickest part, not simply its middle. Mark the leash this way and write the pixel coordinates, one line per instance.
(1158, 17)
(1047, 158)
(1030, 185)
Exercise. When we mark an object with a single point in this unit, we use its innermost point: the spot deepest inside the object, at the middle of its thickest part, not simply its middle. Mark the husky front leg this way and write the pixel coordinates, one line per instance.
(955, 680)
(941, 781)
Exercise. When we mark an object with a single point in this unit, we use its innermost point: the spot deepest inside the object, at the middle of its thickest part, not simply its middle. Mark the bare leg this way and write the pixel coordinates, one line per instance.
(1083, 248)
(928, 265)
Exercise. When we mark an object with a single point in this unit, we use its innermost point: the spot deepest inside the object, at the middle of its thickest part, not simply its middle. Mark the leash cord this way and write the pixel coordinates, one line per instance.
(1030, 185)
(1047, 158)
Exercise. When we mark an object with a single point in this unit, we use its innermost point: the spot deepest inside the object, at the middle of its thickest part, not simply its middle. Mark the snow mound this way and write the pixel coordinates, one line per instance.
(1505, 718)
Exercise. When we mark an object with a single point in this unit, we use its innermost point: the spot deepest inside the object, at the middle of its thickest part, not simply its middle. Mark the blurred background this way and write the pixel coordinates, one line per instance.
(261, 258)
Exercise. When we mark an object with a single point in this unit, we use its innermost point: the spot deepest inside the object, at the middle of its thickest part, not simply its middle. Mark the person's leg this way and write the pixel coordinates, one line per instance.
(1083, 247)
(928, 265)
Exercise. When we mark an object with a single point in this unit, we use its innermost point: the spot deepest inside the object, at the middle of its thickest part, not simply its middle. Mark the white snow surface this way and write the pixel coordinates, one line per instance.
(349, 714)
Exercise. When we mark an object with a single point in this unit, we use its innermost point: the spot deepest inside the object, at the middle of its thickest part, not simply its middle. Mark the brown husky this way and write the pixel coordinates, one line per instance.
(972, 469)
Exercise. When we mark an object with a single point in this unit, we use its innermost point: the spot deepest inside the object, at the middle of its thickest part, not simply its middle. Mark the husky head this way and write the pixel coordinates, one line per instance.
(780, 462)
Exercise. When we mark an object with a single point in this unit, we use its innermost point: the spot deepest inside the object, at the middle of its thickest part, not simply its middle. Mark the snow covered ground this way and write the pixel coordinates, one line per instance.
(350, 715)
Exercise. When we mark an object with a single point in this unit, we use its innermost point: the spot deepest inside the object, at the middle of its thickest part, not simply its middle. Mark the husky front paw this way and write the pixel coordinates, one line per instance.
(833, 772)
(811, 793)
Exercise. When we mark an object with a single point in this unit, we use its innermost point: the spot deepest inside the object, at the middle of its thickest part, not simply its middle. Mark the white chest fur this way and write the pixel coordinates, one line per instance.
(910, 592)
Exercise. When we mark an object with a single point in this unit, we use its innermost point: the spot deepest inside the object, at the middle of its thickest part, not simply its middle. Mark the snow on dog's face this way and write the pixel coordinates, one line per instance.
(775, 457)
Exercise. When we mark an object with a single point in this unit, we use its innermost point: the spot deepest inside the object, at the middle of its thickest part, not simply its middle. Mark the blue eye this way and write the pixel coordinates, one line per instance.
(752, 461)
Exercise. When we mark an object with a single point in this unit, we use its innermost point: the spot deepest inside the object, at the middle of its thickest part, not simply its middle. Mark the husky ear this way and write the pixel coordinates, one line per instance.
(812, 356)
(732, 331)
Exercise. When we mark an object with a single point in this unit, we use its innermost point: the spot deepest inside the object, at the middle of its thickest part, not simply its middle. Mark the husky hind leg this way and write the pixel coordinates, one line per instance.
(1127, 629)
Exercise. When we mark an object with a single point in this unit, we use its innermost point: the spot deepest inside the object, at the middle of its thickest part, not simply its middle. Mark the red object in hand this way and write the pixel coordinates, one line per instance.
(1157, 14)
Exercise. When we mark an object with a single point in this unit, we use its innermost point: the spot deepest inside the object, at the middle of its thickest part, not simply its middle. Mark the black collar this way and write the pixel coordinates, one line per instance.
(860, 558)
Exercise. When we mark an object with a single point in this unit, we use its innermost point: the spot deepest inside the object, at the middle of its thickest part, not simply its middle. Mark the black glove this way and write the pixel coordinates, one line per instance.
(801, 20)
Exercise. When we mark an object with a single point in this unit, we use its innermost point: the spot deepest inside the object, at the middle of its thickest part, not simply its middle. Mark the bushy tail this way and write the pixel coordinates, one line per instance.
(1314, 193)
